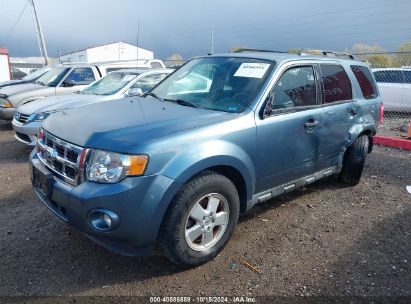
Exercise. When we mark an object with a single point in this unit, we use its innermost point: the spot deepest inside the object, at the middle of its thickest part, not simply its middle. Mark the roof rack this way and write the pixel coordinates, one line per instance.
(242, 50)
(327, 53)
(301, 53)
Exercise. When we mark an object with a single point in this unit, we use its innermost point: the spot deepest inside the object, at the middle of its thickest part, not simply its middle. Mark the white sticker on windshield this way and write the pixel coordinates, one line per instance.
(128, 78)
(252, 70)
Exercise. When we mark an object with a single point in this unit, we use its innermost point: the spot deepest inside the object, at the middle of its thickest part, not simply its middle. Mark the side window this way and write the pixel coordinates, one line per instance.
(81, 76)
(389, 76)
(364, 78)
(148, 82)
(295, 88)
(336, 84)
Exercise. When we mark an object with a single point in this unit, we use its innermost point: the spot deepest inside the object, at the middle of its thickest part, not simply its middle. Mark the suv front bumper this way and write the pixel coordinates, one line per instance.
(139, 202)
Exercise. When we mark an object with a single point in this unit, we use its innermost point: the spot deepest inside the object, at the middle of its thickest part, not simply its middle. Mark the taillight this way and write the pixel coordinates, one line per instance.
(381, 112)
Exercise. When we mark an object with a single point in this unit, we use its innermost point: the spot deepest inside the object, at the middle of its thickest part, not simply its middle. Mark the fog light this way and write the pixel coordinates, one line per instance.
(102, 219)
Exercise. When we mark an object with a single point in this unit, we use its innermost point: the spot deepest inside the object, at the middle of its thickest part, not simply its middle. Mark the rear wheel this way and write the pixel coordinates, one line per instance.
(353, 162)
(201, 221)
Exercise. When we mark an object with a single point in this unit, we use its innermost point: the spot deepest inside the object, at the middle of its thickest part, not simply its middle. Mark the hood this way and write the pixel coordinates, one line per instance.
(11, 82)
(18, 93)
(120, 125)
(58, 103)
(21, 87)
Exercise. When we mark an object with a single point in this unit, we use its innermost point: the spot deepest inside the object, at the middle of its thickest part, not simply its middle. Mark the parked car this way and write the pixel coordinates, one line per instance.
(30, 78)
(395, 87)
(148, 64)
(61, 80)
(122, 83)
(177, 166)
(17, 74)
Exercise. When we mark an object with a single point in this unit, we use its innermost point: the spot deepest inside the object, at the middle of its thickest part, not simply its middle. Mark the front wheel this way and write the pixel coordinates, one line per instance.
(201, 220)
(353, 162)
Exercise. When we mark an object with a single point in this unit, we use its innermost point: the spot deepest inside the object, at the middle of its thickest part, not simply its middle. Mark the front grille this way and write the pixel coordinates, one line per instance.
(61, 157)
(22, 118)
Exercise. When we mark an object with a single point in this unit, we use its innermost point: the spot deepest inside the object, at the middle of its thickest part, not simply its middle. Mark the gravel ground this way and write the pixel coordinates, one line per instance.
(394, 125)
(324, 240)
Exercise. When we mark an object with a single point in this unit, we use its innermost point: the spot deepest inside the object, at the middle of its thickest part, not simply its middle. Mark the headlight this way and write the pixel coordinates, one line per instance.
(4, 103)
(110, 167)
(40, 116)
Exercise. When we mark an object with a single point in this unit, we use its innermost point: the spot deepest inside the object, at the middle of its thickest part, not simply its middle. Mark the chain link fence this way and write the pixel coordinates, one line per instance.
(392, 70)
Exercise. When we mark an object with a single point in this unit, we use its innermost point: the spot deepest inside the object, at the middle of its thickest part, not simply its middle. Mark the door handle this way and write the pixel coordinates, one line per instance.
(310, 125)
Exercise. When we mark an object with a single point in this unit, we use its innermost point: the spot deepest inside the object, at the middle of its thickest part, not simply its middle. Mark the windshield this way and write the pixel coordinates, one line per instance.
(216, 83)
(110, 84)
(37, 73)
(53, 77)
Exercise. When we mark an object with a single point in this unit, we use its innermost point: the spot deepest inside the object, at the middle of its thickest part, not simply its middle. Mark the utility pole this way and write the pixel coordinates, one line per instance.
(212, 40)
(138, 36)
(40, 36)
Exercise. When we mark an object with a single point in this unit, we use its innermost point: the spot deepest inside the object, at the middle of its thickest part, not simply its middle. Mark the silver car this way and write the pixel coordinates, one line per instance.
(61, 80)
(116, 85)
(395, 87)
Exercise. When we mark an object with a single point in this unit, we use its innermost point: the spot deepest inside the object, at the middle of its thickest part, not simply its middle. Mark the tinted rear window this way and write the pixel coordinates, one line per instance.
(365, 81)
(336, 84)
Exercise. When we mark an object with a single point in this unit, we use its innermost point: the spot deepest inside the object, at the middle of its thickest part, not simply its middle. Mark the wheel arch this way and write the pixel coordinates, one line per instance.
(369, 132)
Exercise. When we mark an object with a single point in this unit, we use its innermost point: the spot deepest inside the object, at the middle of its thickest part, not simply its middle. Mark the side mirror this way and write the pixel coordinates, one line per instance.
(135, 92)
(69, 83)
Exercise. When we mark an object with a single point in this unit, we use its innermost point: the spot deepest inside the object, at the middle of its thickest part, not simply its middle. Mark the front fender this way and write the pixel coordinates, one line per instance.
(210, 154)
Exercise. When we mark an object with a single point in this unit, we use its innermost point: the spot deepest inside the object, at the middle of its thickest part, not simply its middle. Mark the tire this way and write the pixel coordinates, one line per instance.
(204, 191)
(353, 162)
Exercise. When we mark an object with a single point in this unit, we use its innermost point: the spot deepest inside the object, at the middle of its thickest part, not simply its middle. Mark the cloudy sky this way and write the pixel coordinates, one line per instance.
(184, 26)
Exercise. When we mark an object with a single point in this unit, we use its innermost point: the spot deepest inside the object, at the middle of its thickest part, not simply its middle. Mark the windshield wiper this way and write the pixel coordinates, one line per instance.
(153, 95)
(183, 102)
(41, 83)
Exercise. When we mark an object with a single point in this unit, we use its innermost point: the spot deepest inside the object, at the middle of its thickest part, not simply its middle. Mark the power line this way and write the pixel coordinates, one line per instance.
(315, 31)
(301, 27)
(15, 23)
(356, 9)
(275, 21)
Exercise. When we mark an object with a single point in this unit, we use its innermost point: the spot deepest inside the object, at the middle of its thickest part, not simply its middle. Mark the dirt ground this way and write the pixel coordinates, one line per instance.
(324, 240)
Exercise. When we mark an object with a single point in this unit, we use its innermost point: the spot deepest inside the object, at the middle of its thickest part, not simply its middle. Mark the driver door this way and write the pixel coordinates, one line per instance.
(289, 133)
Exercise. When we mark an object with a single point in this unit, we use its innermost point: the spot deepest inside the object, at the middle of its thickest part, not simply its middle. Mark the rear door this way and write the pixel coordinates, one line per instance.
(288, 130)
(341, 112)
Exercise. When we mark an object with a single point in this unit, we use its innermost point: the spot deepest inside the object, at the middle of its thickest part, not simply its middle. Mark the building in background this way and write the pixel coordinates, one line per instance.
(109, 52)
(4, 65)
(27, 65)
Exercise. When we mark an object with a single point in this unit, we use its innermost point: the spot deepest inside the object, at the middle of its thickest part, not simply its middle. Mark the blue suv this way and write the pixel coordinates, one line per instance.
(177, 166)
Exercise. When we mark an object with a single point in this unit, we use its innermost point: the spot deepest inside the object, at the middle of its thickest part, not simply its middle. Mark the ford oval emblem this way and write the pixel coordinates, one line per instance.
(50, 154)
